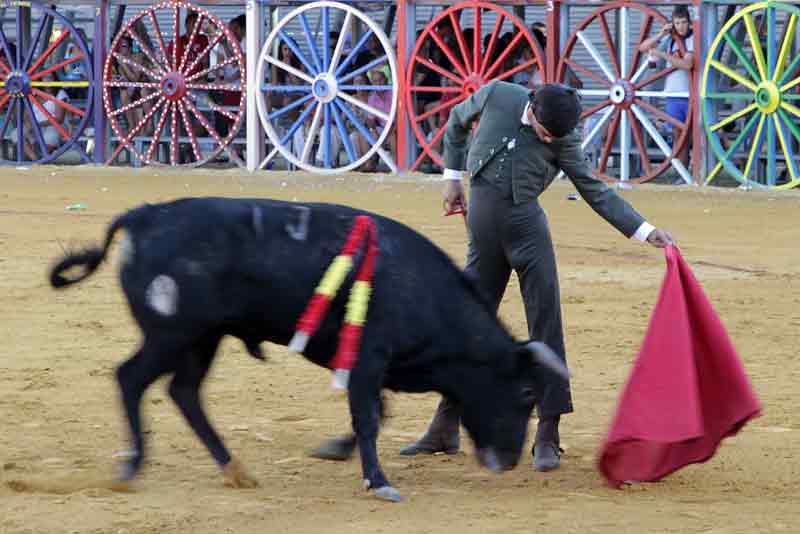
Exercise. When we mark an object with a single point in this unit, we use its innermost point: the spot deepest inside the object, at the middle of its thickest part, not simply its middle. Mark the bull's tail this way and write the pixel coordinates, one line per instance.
(89, 259)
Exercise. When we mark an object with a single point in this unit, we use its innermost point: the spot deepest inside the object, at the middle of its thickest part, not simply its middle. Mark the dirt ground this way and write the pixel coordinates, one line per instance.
(60, 422)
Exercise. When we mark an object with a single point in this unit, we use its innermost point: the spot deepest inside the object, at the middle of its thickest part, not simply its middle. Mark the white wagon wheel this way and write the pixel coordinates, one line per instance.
(322, 92)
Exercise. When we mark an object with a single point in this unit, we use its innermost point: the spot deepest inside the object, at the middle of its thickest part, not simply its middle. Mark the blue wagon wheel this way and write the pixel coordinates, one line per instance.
(170, 103)
(760, 84)
(35, 78)
(315, 95)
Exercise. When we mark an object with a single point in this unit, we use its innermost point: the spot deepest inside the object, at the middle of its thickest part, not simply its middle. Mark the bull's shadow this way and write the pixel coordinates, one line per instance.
(198, 269)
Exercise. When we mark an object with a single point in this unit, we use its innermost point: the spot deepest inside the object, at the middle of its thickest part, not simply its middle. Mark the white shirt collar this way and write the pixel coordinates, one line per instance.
(524, 119)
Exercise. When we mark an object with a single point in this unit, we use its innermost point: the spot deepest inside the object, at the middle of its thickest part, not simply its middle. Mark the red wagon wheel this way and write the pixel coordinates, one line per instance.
(175, 99)
(463, 64)
(616, 90)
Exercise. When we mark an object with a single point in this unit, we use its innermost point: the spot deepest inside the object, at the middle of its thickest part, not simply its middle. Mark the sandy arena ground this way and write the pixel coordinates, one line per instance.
(60, 422)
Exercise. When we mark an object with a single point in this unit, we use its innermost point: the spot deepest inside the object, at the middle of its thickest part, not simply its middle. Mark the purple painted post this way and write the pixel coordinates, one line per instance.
(100, 39)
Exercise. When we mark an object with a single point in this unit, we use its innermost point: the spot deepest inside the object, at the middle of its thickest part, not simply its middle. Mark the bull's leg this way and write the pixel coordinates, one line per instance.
(134, 377)
(364, 395)
(341, 448)
(185, 391)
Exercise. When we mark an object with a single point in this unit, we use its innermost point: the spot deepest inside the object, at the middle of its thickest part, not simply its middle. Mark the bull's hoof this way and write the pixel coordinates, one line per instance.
(388, 493)
(236, 476)
(338, 449)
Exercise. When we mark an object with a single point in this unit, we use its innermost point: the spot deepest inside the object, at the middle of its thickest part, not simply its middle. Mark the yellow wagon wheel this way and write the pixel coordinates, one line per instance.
(759, 83)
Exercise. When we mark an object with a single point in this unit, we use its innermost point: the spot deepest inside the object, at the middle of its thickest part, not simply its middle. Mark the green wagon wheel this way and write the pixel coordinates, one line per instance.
(760, 83)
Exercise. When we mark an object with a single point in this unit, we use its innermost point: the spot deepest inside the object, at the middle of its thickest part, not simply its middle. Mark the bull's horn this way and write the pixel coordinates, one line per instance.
(545, 356)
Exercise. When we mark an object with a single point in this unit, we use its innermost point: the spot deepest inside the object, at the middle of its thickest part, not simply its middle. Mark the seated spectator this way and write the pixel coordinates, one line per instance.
(50, 134)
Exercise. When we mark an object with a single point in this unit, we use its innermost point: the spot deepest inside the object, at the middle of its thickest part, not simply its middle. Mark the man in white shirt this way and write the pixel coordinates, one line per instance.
(678, 52)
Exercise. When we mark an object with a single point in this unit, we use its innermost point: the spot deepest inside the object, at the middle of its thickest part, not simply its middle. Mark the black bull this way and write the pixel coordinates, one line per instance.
(195, 270)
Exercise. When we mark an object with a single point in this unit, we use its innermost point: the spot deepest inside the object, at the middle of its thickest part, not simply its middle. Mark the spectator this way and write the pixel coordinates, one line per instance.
(673, 45)
(381, 100)
(285, 54)
(123, 69)
(198, 46)
(229, 74)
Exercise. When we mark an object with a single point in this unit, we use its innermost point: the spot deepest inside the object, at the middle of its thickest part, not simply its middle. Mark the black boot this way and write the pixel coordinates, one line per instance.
(546, 452)
(339, 449)
(442, 434)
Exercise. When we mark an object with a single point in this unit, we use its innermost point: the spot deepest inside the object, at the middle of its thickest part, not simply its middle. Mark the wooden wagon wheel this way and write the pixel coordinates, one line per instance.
(174, 89)
(614, 95)
(320, 87)
(765, 86)
(471, 64)
(28, 70)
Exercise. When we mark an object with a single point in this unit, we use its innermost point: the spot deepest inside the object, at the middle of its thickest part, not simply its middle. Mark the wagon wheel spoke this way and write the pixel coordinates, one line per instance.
(312, 132)
(134, 104)
(288, 68)
(348, 144)
(519, 68)
(639, 139)
(504, 55)
(137, 66)
(462, 45)
(589, 73)
(148, 52)
(337, 53)
(610, 136)
(125, 140)
(187, 125)
(58, 102)
(490, 45)
(58, 40)
(205, 52)
(35, 43)
(50, 118)
(446, 105)
(644, 31)
(159, 37)
(662, 144)
(162, 121)
(188, 47)
(36, 127)
(612, 49)
(660, 114)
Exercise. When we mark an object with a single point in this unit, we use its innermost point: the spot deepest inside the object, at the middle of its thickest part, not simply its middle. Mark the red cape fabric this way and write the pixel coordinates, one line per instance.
(687, 391)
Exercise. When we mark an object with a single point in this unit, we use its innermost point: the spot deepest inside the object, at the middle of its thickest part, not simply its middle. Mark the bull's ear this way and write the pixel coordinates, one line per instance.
(544, 356)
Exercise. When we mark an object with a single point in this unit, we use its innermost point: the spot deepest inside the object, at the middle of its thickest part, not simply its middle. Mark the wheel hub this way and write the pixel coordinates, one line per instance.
(768, 97)
(622, 93)
(324, 88)
(173, 85)
(18, 83)
(472, 84)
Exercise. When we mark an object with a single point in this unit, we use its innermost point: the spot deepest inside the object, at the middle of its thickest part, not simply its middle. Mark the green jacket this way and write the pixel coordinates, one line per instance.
(508, 155)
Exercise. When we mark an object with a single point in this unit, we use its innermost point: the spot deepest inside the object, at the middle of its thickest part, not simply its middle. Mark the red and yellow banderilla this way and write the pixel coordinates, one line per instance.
(350, 334)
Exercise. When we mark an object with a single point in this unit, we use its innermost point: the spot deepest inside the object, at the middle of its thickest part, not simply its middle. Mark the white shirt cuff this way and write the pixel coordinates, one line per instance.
(452, 174)
(644, 231)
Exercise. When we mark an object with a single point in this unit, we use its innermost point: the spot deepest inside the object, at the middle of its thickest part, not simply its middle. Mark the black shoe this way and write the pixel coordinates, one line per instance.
(337, 449)
(546, 456)
(443, 432)
(433, 443)
(546, 452)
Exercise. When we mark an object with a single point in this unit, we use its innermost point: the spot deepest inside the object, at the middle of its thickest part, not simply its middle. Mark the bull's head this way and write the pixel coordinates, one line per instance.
(497, 418)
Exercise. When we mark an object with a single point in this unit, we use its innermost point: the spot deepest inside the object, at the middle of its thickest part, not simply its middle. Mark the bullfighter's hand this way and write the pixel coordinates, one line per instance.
(541, 132)
(660, 238)
(453, 195)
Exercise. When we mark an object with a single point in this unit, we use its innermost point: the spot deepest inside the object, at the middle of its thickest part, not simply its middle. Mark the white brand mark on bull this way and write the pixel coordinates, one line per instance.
(126, 250)
(162, 295)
